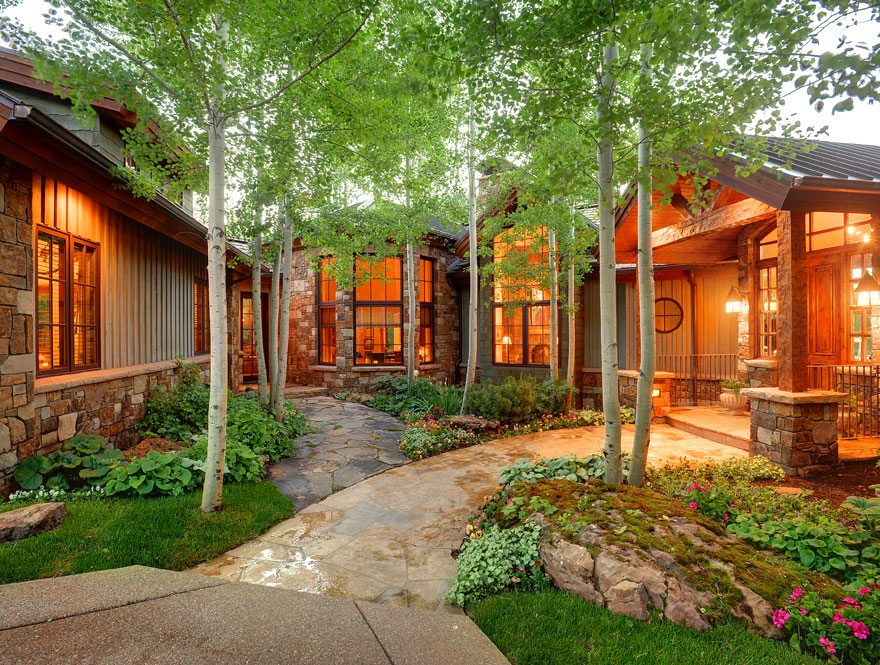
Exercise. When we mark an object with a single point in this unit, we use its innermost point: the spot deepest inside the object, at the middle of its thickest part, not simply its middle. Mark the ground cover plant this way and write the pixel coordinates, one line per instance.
(167, 532)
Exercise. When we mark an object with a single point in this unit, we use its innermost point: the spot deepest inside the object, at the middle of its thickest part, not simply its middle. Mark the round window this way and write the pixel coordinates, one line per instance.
(668, 315)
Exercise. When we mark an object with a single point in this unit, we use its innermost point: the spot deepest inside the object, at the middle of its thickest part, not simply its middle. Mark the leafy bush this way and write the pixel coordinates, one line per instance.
(429, 437)
(178, 414)
(510, 401)
(569, 467)
(242, 463)
(551, 396)
(842, 631)
(82, 460)
(250, 424)
(155, 474)
(710, 500)
(445, 397)
(400, 397)
(493, 560)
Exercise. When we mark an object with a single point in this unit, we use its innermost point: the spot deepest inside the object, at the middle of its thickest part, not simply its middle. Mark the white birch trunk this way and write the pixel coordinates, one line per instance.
(257, 300)
(284, 323)
(473, 309)
(569, 367)
(215, 462)
(411, 308)
(608, 274)
(642, 436)
(274, 304)
(554, 311)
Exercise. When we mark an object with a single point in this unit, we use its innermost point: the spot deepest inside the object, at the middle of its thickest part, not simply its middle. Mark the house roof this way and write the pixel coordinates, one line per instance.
(826, 159)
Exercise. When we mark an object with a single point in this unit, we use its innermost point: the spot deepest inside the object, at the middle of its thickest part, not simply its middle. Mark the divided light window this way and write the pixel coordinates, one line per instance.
(201, 327)
(67, 303)
(378, 313)
(326, 315)
(426, 310)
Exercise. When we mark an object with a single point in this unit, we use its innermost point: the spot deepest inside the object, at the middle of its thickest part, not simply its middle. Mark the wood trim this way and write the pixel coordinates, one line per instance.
(729, 217)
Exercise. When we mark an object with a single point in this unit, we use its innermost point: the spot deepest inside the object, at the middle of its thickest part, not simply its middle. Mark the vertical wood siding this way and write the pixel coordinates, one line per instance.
(146, 278)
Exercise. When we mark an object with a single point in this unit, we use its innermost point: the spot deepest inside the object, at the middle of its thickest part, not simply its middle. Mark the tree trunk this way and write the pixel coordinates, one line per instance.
(473, 309)
(284, 324)
(608, 274)
(642, 437)
(554, 311)
(411, 281)
(569, 368)
(274, 304)
(256, 296)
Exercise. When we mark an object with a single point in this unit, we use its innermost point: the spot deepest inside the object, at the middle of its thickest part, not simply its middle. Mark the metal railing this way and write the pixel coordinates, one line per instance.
(859, 414)
(698, 377)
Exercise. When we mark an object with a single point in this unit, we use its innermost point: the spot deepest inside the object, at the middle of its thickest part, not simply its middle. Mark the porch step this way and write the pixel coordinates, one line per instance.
(713, 423)
(301, 392)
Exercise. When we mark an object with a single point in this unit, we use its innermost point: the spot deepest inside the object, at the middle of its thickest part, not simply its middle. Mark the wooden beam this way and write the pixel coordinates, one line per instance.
(728, 217)
(716, 196)
(682, 205)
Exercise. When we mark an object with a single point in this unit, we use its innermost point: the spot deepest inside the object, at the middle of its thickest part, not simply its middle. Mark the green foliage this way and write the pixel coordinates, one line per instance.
(512, 400)
(494, 560)
(156, 474)
(551, 396)
(250, 424)
(732, 384)
(82, 460)
(569, 467)
(868, 510)
(168, 532)
(402, 398)
(427, 438)
(446, 398)
(179, 414)
(242, 463)
(841, 631)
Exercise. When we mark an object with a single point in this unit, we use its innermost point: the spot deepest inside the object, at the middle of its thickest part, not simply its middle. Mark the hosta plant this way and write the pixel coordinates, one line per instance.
(82, 460)
(155, 474)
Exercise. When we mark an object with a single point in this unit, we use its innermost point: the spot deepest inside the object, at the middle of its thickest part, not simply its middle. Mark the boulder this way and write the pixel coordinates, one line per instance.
(31, 520)
(474, 423)
(629, 599)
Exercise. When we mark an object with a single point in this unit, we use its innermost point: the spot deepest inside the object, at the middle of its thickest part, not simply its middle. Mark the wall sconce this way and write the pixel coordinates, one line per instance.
(655, 392)
(868, 285)
(733, 303)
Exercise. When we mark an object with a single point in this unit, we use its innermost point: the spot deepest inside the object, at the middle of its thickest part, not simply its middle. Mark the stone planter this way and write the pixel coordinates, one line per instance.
(731, 401)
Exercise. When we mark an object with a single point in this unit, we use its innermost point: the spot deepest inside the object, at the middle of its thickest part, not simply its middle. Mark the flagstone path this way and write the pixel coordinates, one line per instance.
(389, 538)
(350, 442)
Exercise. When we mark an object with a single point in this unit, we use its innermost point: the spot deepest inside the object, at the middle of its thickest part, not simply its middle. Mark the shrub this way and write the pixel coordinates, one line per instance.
(429, 437)
(493, 560)
(155, 474)
(400, 397)
(82, 460)
(551, 396)
(510, 401)
(178, 414)
(446, 398)
(250, 424)
(242, 463)
(842, 631)
(569, 467)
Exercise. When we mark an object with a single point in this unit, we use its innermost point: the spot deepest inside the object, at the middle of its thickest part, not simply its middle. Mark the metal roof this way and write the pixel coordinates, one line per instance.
(824, 159)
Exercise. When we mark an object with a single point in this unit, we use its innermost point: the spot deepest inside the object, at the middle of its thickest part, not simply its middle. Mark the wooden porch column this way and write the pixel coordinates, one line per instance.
(792, 301)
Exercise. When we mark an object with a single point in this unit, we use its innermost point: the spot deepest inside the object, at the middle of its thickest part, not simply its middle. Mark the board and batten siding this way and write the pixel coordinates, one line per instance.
(146, 278)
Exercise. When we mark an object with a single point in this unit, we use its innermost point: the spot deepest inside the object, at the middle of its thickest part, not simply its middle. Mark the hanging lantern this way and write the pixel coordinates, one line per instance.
(733, 303)
(870, 288)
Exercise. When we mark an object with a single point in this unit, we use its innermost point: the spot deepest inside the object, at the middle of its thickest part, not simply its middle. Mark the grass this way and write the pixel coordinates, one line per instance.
(554, 628)
(166, 532)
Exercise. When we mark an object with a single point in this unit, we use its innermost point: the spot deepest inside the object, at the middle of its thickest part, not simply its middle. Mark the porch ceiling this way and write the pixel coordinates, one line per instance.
(700, 250)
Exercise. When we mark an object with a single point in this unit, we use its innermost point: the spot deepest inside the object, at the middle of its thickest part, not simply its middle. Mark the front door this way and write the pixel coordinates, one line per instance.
(823, 311)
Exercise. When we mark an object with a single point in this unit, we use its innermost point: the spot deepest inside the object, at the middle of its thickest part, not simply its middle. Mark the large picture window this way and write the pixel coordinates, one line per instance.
(378, 313)
(326, 315)
(201, 327)
(521, 331)
(859, 328)
(426, 310)
(67, 303)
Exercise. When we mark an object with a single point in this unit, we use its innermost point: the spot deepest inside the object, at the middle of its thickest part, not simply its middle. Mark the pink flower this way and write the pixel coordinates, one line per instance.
(803, 611)
(838, 618)
(520, 569)
(859, 629)
(853, 602)
(726, 517)
(515, 580)
(780, 617)
(827, 644)
(693, 504)
(864, 591)
(797, 593)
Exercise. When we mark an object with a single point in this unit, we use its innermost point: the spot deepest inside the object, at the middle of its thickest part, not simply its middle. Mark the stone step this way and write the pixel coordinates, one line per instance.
(710, 426)
(301, 392)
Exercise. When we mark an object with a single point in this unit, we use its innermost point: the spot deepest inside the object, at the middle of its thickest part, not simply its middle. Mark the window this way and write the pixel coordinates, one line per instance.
(668, 315)
(67, 303)
(825, 230)
(767, 312)
(859, 327)
(201, 328)
(378, 313)
(521, 332)
(248, 338)
(426, 310)
(326, 316)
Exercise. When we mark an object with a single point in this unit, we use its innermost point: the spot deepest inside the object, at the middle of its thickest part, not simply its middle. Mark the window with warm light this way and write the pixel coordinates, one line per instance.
(378, 313)
(859, 327)
(426, 310)
(201, 327)
(326, 315)
(248, 338)
(521, 331)
(67, 303)
(767, 312)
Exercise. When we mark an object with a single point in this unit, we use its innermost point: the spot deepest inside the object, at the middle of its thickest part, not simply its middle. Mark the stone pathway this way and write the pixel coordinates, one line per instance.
(389, 538)
(351, 442)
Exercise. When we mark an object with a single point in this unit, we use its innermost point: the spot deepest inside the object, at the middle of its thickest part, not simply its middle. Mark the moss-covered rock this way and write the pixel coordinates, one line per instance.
(644, 554)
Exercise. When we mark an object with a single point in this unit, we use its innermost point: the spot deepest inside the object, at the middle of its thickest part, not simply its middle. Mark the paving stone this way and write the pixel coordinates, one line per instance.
(356, 471)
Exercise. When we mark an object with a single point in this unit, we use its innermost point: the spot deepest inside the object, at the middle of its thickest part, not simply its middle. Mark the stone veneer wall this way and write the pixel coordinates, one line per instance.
(629, 384)
(303, 367)
(16, 316)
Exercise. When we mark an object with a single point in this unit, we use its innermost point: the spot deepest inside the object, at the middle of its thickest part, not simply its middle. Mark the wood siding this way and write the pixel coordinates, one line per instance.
(146, 278)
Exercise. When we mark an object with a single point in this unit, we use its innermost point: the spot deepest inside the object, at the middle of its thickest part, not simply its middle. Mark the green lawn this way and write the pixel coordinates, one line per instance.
(554, 628)
(165, 533)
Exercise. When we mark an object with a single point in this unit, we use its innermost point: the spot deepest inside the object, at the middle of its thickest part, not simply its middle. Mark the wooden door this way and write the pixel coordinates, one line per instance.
(823, 311)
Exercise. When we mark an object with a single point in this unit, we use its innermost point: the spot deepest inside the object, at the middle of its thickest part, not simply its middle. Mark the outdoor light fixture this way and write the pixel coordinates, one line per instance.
(733, 303)
(655, 392)
(869, 286)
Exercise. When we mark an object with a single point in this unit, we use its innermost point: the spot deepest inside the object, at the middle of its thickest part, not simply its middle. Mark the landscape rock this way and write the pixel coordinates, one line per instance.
(474, 423)
(31, 520)
(629, 599)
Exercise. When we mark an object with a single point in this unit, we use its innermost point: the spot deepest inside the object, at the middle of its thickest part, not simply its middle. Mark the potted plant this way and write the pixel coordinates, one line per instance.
(731, 399)
(849, 417)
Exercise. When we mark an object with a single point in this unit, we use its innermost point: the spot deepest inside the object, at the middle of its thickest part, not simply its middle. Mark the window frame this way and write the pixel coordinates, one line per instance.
(378, 303)
(70, 239)
(321, 305)
(206, 318)
(430, 307)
